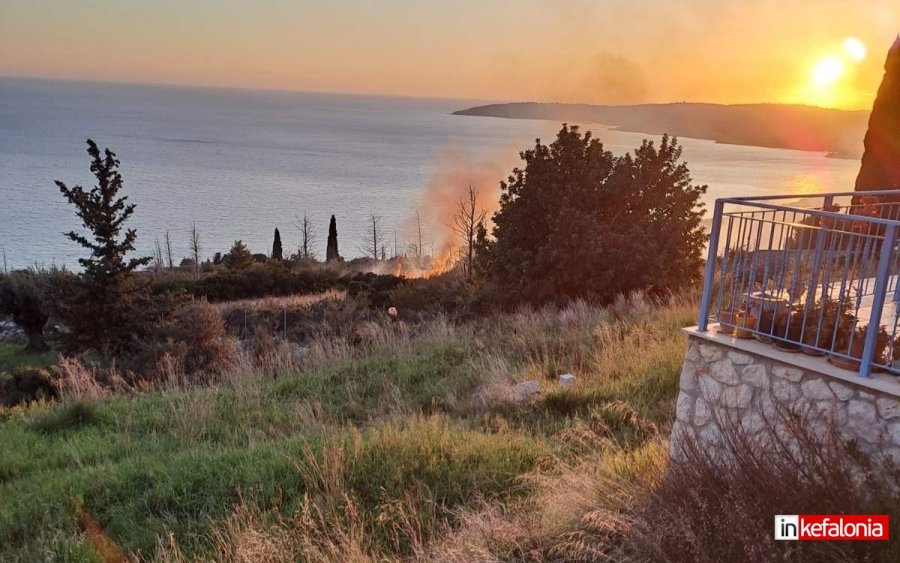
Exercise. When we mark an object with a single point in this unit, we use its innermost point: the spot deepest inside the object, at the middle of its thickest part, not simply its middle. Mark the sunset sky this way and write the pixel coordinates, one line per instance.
(821, 52)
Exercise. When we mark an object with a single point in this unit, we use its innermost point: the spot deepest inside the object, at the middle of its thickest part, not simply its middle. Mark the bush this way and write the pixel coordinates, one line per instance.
(191, 341)
(261, 280)
(447, 293)
(21, 297)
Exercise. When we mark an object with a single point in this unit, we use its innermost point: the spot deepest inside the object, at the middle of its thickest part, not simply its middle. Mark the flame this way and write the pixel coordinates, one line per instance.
(442, 263)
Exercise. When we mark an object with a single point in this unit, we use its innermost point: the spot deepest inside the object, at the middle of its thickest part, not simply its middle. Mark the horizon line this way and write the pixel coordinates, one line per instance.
(480, 101)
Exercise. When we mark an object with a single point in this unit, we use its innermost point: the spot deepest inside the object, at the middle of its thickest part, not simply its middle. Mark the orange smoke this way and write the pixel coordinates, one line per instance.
(452, 173)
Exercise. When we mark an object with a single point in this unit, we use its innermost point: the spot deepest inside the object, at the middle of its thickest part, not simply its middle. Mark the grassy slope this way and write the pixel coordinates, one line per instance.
(181, 460)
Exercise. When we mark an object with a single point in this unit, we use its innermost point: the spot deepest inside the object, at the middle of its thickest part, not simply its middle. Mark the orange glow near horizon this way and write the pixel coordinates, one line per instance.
(608, 52)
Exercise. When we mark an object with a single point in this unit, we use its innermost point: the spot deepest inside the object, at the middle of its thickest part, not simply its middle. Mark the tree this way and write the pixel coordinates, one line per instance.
(577, 221)
(277, 252)
(158, 262)
(195, 249)
(373, 238)
(239, 257)
(170, 260)
(21, 298)
(466, 220)
(331, 251)
(880, 168)
(307, 237)
(110, 306)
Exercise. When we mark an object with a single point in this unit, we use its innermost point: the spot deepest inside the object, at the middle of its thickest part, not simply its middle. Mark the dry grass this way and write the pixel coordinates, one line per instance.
(289, 302)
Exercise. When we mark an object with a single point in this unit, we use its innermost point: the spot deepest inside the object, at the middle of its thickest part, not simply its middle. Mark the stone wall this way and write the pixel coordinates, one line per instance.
(721, 383)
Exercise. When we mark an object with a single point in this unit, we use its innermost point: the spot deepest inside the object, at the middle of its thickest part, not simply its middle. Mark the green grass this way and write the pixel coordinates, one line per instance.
(181, 461)
(13, 357)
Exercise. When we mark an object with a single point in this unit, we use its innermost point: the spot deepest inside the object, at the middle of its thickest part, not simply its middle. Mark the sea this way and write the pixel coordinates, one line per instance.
(239, 163)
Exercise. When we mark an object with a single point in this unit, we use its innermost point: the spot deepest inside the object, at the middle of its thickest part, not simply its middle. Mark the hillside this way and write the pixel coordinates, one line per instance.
(836, 132)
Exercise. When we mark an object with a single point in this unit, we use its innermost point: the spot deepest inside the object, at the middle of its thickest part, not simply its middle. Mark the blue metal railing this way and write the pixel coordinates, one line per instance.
(808, 273)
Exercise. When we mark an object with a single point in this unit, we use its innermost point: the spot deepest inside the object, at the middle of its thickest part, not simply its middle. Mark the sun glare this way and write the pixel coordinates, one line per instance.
(827, 71)
(854, 49)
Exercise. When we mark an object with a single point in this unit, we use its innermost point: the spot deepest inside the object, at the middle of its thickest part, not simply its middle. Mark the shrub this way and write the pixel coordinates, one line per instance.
(22, 298)
(190, 341)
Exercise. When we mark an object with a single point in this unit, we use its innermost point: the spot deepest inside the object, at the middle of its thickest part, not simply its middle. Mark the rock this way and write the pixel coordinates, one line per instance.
(526, 390)
(737, 397)
(566, 380)
(723, 371)
(841, 391)
(816, 389)
(861, 411)
(785, 391)
(756, 375)
(702, 412)
(710, 353)
(693, 354)
(893, 431)
(688, 380)
(683, 407)
(739, 359)
(888, 408)
(791, 374)
(710, 389)
(752, 423)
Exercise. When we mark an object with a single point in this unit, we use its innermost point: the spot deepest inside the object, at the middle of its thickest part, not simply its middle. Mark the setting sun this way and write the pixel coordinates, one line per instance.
(827, 71)
(855, 49)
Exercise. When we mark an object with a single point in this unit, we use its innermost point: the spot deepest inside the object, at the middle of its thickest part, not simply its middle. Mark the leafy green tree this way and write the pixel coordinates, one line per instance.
(110, 304)
(277, 252)
(22, 299)
(578, 221)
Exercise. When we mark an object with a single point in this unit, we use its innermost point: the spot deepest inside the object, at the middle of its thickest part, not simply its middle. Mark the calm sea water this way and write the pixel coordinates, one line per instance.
(239, 163)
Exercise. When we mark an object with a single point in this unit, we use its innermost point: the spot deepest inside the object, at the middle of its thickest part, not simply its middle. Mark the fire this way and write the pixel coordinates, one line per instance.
(442, 263)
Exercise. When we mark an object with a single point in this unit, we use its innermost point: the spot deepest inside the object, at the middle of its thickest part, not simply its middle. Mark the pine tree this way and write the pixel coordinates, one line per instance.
(239, 257)
(111, 305)
(331, 250)
(880, 169)
(578, 222)
(276, 246)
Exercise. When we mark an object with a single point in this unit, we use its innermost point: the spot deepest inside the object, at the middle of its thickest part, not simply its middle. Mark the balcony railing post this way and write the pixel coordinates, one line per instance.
(881, 284)
(711, 259)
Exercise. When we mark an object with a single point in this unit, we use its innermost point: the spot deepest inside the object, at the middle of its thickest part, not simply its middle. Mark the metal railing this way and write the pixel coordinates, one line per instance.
(809, 273)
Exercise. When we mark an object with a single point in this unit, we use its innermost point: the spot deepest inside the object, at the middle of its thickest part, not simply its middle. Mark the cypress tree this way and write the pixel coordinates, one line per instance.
(276, 246)
(880, 169)
(331, 250)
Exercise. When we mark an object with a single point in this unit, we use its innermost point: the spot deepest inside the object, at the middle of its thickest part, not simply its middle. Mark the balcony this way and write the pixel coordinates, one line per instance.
(808, 274)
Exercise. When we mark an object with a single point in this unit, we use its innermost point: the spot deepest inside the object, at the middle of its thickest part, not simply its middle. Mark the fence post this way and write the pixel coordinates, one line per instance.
(711, 259)
(881, 284)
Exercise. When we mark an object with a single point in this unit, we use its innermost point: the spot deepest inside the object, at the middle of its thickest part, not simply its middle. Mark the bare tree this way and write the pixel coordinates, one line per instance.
(5, 268)
(374, 237)
(158, 263)
(465, 224)
(195, 249)
(307, 237)
(169, 258)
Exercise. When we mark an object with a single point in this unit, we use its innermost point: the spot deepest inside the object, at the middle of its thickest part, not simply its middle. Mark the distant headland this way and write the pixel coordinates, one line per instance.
(839, 133)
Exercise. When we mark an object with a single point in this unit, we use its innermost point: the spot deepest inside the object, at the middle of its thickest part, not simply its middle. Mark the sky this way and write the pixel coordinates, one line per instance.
(592, 51)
